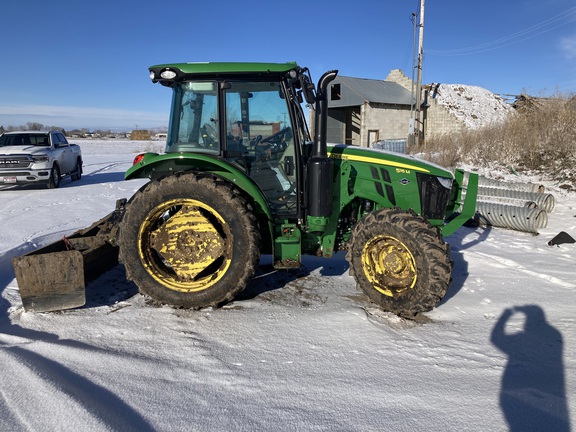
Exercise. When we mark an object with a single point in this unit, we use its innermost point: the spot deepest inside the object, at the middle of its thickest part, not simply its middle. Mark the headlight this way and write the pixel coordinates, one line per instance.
(168, 74)
(41, 158)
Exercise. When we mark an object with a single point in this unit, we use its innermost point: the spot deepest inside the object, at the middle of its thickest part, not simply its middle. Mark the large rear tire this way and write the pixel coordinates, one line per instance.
(189, 241)
(400, 261)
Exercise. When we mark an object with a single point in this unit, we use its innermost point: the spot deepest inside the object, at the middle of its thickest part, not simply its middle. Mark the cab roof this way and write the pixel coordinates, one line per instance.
(202, 69)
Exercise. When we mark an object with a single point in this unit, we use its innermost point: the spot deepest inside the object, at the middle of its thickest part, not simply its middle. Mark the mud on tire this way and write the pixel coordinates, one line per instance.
(400, 261)
(189, 240)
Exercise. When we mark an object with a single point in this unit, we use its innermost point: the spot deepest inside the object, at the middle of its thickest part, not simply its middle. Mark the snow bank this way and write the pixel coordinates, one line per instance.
(475, 106)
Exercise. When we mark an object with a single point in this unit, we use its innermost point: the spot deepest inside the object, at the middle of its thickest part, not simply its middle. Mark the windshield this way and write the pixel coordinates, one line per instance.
(24, 139)
(194, 125)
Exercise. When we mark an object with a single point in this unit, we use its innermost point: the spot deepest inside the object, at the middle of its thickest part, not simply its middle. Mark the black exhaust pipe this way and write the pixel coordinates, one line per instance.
(320, 165)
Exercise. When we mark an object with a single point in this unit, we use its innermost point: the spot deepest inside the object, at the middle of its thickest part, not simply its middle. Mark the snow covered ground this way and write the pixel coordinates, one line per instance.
(297, 351)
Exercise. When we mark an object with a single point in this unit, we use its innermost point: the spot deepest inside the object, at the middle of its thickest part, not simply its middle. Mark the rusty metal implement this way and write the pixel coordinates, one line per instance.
(54, 277)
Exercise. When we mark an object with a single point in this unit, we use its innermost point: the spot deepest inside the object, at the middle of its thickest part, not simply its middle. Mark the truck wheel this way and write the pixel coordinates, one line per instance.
(54, 181)
(400, 261)
(77, 173)
(189, 241)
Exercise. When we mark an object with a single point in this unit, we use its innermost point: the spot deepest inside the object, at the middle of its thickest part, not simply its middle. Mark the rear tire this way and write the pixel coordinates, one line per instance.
(400, 261)
(189, 241)
(77, 173)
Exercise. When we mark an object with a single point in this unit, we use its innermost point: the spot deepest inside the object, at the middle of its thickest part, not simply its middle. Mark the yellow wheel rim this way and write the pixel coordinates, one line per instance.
(389, 265)
(185, 245)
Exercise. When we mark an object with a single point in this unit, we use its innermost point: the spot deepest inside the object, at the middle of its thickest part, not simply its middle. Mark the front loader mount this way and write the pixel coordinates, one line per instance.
(54, 277)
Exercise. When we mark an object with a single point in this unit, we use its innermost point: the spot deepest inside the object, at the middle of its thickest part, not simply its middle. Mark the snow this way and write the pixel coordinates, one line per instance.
(475, 106)
(301, 351)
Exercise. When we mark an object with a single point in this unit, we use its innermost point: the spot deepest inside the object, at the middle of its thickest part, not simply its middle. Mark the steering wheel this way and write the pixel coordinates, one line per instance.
(277, 142)
(277, 137)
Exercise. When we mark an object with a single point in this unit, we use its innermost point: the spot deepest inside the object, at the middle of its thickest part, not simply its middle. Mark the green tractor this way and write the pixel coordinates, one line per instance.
(241, 177)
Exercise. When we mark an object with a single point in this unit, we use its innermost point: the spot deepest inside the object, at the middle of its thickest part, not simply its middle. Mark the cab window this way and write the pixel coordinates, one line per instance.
(259, 135)
(194, 124)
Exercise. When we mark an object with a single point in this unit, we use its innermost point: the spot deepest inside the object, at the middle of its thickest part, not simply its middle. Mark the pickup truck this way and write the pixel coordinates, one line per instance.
(38, 157)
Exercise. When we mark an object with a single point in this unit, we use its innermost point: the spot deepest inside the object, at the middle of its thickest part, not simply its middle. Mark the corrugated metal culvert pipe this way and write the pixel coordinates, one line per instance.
(517, 206)
(545, 201)
(526, 187)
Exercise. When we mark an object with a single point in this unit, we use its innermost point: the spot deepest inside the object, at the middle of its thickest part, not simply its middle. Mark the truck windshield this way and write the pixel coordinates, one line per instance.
(24, 139)
(194, 124)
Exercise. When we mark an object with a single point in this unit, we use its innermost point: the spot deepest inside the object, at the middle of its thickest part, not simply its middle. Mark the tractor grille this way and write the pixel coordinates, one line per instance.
(15, 161)
(433, 196)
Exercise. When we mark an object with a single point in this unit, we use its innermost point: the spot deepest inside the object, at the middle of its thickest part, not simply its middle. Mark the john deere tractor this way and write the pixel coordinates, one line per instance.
(241, 177)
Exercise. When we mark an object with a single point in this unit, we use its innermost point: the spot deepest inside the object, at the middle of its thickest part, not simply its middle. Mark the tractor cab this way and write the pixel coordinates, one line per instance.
(253, 119)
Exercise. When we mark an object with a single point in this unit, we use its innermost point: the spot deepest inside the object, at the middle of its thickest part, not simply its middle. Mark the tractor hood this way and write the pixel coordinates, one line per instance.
(399, 162)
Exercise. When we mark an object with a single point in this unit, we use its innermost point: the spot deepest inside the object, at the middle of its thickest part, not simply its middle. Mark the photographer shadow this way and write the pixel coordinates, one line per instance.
(533, 390)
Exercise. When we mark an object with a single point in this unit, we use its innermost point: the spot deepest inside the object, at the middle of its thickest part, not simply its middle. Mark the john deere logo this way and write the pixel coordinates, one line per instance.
(404, 181)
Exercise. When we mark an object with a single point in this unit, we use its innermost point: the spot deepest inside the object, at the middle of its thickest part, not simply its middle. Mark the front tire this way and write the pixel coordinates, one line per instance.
(189, 241)
(54, 181)
(400, 261)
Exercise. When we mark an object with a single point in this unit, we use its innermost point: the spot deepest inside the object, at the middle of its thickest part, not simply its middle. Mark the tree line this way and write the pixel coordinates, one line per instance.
(31, 126)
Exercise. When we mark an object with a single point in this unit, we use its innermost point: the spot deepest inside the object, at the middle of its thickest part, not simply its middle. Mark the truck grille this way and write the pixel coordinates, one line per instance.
(14, 161)
(433, 196)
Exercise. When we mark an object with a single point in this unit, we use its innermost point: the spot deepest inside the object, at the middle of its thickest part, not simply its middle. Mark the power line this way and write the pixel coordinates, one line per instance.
(544, 26)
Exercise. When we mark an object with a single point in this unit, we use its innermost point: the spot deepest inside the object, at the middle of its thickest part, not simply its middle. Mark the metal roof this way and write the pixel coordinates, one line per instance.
(356, 91)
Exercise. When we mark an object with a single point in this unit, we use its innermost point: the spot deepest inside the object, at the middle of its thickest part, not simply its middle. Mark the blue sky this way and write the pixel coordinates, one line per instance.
(85, 64)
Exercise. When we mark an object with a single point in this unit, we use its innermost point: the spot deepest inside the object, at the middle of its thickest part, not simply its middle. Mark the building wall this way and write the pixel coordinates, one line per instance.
(399, 77)
(390, 121)
(439, 121)
(373, 121)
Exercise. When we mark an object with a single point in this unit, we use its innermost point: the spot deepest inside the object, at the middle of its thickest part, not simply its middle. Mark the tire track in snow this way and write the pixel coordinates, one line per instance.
(106, 167)
(505, 262)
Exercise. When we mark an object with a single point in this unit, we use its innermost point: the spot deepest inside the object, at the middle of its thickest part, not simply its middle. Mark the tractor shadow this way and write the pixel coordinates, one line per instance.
(268, 279)
(459, 242)
(110, 288)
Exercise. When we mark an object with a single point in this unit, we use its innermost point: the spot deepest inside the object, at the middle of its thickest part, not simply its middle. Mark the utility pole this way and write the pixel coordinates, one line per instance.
(413, 18)
(418, 124)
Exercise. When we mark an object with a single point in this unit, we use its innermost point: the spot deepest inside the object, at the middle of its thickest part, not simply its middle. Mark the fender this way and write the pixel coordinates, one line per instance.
(154, 165)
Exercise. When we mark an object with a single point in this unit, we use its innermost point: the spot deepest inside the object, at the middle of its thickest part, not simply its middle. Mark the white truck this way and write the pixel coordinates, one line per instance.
(38, 157)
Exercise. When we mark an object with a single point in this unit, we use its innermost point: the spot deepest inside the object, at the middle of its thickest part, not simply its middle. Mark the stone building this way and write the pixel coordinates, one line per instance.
(362, 111)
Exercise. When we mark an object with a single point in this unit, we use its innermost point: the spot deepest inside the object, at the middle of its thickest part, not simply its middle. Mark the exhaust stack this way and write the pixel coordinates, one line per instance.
(320, 165)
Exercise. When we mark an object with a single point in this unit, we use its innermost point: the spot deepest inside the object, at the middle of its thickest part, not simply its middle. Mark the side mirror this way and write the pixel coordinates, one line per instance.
(308, 90)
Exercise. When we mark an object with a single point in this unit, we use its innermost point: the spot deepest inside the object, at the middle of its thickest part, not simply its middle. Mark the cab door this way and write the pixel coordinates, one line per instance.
(65, 154)
(259, 131)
